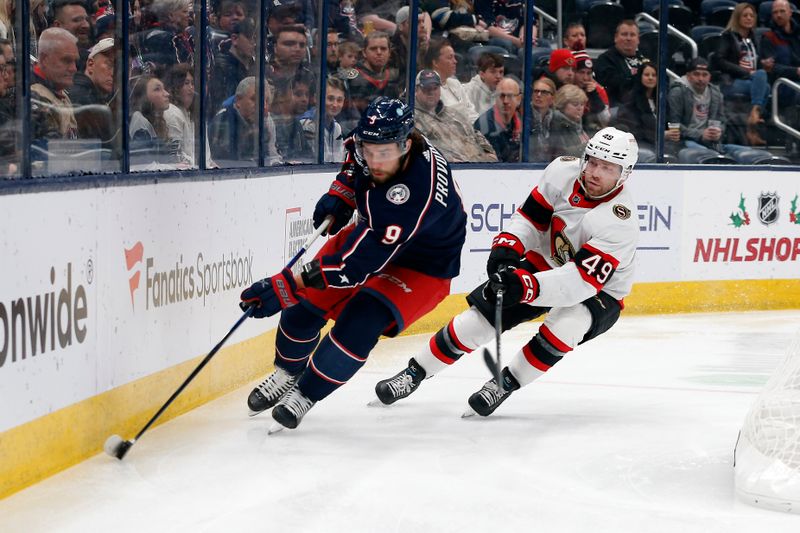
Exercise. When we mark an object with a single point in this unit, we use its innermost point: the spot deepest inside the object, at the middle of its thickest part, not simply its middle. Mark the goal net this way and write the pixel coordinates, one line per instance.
(767, 456)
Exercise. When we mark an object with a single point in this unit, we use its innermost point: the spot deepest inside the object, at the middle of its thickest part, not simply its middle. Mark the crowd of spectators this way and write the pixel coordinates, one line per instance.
(468, 90)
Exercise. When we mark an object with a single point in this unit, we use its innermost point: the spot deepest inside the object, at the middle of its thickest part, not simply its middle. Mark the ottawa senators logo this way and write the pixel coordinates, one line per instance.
(622, 212)
(561, 250)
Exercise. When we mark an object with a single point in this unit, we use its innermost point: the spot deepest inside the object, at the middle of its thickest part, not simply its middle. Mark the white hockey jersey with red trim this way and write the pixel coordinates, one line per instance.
(580, 246)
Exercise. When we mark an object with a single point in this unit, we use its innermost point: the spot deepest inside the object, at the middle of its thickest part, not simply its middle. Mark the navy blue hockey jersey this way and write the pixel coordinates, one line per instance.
(416, 220)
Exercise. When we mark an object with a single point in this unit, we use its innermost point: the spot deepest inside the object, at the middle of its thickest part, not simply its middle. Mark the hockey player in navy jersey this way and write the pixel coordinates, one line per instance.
(568, 251)
(374, 276)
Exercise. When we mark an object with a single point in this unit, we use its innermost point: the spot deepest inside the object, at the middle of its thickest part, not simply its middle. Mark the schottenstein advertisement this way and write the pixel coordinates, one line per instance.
(746, 228)
(490, 207)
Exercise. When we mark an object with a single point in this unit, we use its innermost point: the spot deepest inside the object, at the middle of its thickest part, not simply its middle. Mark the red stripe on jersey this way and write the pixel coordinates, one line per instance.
(539, 203)
(595, 266)
(438, 354)
(345, 350)
(280, 355)
(323, 376)
(533, 360)
(538, 261)
(607, 257)
(591, 280)
(296, 340)
(453, 337)
(578, 199)
(540, 199)
(552, 339)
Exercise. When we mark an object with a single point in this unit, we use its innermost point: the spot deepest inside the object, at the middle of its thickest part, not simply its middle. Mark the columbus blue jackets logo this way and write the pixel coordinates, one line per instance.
(768, 211)
(398, 194)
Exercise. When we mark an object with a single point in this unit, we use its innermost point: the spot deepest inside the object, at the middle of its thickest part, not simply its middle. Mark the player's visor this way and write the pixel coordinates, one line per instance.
(380, 153)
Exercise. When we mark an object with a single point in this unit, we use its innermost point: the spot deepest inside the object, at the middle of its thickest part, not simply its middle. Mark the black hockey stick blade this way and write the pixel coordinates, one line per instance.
(493, 365)
(496, 365)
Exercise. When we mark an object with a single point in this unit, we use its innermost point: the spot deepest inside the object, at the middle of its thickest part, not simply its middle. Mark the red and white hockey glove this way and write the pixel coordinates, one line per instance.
(518, 285)
(507, 251)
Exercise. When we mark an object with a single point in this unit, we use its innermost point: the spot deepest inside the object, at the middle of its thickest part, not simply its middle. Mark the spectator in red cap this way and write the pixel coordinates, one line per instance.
(597, 114)
(561, 68)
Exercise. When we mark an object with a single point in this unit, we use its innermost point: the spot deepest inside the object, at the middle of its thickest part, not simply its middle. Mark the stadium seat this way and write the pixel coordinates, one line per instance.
(475, 52)
(601, 24)
(650, 6)
(707, 6)
(698, 32)
(755, 156)
(583, 6)
(708, 45)
(720, 16)
(680, 17)
(680, 52)
(764, 13)
(632, 7)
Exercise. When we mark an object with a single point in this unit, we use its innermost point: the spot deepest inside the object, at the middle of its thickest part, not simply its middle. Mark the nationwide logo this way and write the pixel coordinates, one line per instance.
(133, 256)
(53, 318)
(741, 217)
(173, 281)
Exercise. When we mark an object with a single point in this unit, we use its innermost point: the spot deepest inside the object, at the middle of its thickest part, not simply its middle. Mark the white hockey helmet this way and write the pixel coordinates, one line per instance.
(614, 146)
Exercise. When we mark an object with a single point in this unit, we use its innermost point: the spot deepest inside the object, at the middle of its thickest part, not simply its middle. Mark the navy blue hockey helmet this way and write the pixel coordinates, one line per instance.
(385, 120)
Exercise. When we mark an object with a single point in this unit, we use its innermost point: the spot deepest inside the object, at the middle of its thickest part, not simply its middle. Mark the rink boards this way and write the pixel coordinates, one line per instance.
(106, 309)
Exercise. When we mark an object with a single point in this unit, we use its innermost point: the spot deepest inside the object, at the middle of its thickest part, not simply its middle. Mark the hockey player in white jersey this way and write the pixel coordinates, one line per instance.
(568, 251)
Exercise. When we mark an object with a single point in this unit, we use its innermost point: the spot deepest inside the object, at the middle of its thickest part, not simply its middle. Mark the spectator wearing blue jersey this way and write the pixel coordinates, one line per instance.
(375, 276)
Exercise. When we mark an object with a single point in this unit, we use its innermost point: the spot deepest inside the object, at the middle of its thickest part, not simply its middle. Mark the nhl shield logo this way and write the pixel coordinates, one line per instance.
(768, 211)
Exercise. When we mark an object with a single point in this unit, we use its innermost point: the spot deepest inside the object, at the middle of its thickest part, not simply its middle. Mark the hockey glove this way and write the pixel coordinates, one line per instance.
(270, 295)
(518, 285)
(506, 252)
(339, 202)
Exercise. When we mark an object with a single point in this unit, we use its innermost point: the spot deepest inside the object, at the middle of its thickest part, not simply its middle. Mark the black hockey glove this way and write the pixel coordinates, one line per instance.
(506, 252)
(518, 285)
(270, 295)
(339, 202)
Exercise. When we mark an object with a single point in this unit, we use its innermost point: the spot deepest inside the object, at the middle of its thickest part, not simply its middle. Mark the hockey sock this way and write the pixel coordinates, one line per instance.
(537, 357)
(461, 335)
(345, 349)
(297, 336)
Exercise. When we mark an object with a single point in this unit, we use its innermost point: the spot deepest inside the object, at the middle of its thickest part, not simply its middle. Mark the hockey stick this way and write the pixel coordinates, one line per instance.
(116, 447)
(495, 365)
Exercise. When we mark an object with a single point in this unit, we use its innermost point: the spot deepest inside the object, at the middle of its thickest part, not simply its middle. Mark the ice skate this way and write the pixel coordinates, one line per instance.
(486, 400)
(270, 391)
(291, 409)
(401, 385)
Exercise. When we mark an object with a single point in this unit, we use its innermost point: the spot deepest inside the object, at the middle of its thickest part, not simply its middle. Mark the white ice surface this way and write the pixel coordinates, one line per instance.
(633, 432)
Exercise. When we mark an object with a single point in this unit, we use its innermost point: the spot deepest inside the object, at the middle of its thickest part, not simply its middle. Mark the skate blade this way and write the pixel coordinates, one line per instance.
(377, 403)
(276, 427)
(469, 413)
(252, 413)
